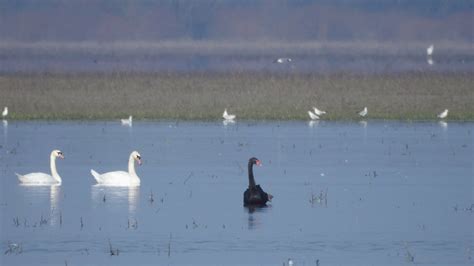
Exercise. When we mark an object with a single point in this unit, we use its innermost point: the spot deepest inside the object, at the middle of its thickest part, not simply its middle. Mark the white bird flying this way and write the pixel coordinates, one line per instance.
(318, 112)
(5, 112)
(313, 116)
(444, 114)
(282, 60)
(227, 116)
(363, 112)
(127, 122)
(429, 50)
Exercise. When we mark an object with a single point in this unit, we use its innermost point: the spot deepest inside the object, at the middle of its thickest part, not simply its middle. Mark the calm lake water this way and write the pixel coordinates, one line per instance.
(373, 193)
(327, 62)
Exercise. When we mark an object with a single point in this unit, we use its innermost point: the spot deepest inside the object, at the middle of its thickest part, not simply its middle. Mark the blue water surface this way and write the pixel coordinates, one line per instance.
(345, 193)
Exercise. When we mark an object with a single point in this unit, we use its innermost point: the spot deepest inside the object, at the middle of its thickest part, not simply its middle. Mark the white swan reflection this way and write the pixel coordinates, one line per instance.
(54, 194)
(40, 192)
(117, 196)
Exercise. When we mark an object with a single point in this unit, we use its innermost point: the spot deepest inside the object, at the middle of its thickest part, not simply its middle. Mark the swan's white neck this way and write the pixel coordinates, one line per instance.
(131, 167)
(54, 172)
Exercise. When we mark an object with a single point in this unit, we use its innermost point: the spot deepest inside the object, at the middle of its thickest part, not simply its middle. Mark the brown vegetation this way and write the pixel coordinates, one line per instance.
(250, 96)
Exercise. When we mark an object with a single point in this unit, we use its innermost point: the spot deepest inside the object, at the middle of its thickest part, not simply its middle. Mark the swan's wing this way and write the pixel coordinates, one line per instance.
(37, 178)
(115, 178)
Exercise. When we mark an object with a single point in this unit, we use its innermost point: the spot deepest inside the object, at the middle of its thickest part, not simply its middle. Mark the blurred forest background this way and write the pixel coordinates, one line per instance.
(178, 59)
(245, 20)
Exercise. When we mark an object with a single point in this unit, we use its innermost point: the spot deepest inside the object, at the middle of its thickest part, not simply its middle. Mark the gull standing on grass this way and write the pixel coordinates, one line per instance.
(444, 114)
(429, 50)
(4, 115)
(228, 117)
(318, 112)
(282, 60)
(5, 112)
(127, 122)
(364, 112)
(313, 116)
(429, 53)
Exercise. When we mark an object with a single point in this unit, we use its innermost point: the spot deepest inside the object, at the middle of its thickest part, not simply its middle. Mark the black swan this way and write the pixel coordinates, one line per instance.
(254, 195)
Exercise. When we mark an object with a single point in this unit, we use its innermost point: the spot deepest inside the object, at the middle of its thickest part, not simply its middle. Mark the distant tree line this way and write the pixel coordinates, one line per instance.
(246, 20)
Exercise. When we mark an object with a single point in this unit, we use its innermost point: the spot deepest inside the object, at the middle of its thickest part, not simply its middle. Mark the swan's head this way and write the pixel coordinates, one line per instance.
(255, 161)
(137, 157)
(57, 154)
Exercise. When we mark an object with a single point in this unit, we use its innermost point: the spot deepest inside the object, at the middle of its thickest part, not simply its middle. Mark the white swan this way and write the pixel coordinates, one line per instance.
(5, 112)
(363, 112)
(318, 112)
(127, 122)
(313, 116)
(121, 178)
(42, 178)
(444, 114)
(429, 50)
(227, 116)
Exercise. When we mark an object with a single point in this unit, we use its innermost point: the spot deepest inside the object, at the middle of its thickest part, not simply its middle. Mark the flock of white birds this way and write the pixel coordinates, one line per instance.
(130, 178)
(316, 114)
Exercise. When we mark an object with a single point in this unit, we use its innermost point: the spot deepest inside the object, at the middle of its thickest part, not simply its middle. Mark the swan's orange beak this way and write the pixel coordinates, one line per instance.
(258, 163)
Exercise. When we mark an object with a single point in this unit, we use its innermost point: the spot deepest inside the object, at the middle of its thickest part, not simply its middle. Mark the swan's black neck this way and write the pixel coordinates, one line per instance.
(251, 178)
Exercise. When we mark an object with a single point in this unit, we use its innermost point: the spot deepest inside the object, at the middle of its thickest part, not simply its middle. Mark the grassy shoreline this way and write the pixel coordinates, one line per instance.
(255, 96)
